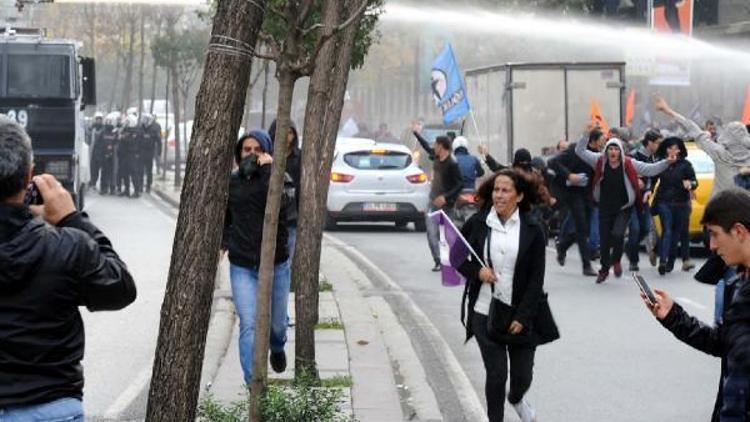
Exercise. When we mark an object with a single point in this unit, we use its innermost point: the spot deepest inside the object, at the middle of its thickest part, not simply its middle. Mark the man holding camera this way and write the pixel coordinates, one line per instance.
(728, 225)
(243, 236)
(52, 260)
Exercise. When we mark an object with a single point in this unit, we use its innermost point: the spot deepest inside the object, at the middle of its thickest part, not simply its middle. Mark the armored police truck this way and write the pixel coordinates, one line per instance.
(45, 86)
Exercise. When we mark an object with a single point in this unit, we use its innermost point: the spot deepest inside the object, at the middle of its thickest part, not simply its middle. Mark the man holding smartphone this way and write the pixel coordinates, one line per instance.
(52, 260)
(728, 223)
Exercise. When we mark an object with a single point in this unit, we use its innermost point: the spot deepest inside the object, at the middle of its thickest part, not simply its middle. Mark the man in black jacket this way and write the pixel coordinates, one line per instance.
(49, 266)
(572, 177)
(447, 183)
(639, 225)
(243, 237)
(728, 225)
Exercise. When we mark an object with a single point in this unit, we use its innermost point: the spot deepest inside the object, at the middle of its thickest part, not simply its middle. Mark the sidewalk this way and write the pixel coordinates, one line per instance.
(356, 342)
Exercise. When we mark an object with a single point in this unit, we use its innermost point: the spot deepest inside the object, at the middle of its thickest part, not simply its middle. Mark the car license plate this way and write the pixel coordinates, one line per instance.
(379, 206)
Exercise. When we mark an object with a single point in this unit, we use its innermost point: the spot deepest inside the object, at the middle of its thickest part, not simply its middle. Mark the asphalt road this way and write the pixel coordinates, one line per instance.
(613, 363)
(120, 345)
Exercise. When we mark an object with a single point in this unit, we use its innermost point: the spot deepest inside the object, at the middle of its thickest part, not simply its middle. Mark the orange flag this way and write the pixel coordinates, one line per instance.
(630, 108)
(746, 109)
(597, 118)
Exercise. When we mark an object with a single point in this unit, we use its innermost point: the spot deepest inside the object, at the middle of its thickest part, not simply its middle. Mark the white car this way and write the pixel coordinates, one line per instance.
(373, 181)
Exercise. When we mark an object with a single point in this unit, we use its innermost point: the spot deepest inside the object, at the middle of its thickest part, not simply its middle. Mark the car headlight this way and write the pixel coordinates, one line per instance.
(58, 168)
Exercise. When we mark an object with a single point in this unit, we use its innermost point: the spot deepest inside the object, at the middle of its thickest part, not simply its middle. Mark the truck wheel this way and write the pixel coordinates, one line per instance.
(420, 225)
(401, 224)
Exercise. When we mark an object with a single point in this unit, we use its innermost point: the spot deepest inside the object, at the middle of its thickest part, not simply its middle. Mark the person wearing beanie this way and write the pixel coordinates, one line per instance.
(242, 238)
(617, 175)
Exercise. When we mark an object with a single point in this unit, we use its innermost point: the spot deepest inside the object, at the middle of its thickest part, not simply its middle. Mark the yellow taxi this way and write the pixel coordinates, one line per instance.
(704, 172)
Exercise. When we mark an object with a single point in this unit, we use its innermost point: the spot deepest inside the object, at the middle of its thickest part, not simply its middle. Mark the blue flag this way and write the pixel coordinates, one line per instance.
(448, 86)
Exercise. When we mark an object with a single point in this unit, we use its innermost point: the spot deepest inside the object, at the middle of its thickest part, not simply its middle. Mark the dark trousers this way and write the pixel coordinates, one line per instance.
(495, 357)
(578, 211)
(96, 167)
(107, 180)
(147, 169)
(639, 225)
(612, 234)
(675, 221)
(136, 173)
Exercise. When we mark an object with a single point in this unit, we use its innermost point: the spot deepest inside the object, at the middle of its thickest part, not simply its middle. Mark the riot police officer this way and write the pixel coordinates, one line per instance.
(107, 141)
(94, 132)
(128, 157)
(149, 138)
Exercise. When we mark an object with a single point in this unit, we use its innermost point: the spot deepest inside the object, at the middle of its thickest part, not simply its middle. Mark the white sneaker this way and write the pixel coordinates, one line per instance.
(525, 411)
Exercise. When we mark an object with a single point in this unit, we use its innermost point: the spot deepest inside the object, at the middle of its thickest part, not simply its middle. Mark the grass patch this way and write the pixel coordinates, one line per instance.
(341, 381)
(331, 324)
(325, 286)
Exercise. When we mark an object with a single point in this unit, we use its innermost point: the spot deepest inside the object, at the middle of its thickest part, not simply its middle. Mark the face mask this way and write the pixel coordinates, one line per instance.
(249, 167)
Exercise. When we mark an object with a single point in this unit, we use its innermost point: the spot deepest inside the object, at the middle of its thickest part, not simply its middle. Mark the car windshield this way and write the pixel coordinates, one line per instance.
(702, 163)
(370, 160)
(38, 76)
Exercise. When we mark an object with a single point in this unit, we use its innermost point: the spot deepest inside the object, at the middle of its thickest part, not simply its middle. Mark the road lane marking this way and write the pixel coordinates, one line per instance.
(465, 392)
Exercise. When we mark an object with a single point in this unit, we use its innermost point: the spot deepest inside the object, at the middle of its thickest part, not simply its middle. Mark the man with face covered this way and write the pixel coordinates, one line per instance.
(243, 236)
(617, 175)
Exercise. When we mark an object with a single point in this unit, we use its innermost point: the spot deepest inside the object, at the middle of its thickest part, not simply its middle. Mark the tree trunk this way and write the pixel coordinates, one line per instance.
(113, 94)
(177, 134)
(143, 58)
(129, 65)
(264, 100)
(320, 131)
(153, 75)
(306, 286)
(174, 389)
(287, 79)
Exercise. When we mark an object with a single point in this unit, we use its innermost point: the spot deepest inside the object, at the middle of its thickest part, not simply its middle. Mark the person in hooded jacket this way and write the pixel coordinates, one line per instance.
(243, 236)
(672, 202)
(53, 260)
(471, 168)
(616, 174)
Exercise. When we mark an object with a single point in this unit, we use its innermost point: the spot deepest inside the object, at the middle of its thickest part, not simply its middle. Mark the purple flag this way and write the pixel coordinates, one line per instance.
(454, 250)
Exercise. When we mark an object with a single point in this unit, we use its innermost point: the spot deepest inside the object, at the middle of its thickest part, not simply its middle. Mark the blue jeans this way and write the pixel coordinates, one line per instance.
(61, 410)
(594, 241)
(674, 226)
(291, 242)
(244, 288)
(638, 228)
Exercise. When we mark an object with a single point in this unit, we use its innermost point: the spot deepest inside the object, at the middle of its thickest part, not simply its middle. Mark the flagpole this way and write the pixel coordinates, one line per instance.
(476, 127)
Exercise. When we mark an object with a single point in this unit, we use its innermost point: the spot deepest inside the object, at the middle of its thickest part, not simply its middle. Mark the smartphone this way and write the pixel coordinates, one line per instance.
(644, 288)
(33, 196)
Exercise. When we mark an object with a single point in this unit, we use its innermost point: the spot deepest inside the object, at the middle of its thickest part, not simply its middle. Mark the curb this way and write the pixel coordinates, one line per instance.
(222, 319)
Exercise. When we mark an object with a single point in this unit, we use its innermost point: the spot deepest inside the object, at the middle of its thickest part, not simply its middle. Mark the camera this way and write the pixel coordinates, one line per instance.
(249, 166)
(33, 196)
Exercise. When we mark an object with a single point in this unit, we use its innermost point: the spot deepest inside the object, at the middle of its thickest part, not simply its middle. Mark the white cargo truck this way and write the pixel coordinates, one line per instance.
(534, 105)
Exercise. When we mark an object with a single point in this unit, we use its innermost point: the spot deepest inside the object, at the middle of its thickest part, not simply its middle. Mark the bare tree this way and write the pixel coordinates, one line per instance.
(174, 388)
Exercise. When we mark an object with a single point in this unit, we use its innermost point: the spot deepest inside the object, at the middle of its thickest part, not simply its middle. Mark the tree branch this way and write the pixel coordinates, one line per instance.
(350, 20)
(307, 31)
(271, 43)
(305, 10)
(279, 13)
(270, 57)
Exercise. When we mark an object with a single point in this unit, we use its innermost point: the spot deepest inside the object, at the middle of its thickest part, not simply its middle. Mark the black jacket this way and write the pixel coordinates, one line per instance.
(528, 277)
(294, 170)
(670, 189)
(730, 341)
(565, 163)
(243, 224)
(46, 273)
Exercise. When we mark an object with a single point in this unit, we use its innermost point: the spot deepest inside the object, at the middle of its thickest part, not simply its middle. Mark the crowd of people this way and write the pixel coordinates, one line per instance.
(123, 149)
(605, 189)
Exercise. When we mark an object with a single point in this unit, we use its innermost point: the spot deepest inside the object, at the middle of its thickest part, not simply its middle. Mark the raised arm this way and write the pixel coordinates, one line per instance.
(650, 169)
(692, 130)
(588, 156)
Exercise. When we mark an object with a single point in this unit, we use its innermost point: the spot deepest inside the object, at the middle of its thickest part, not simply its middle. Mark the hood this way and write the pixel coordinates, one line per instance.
(736, 140)
(20, 249)
(292, 126)
(616, 142)
(259, 135)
